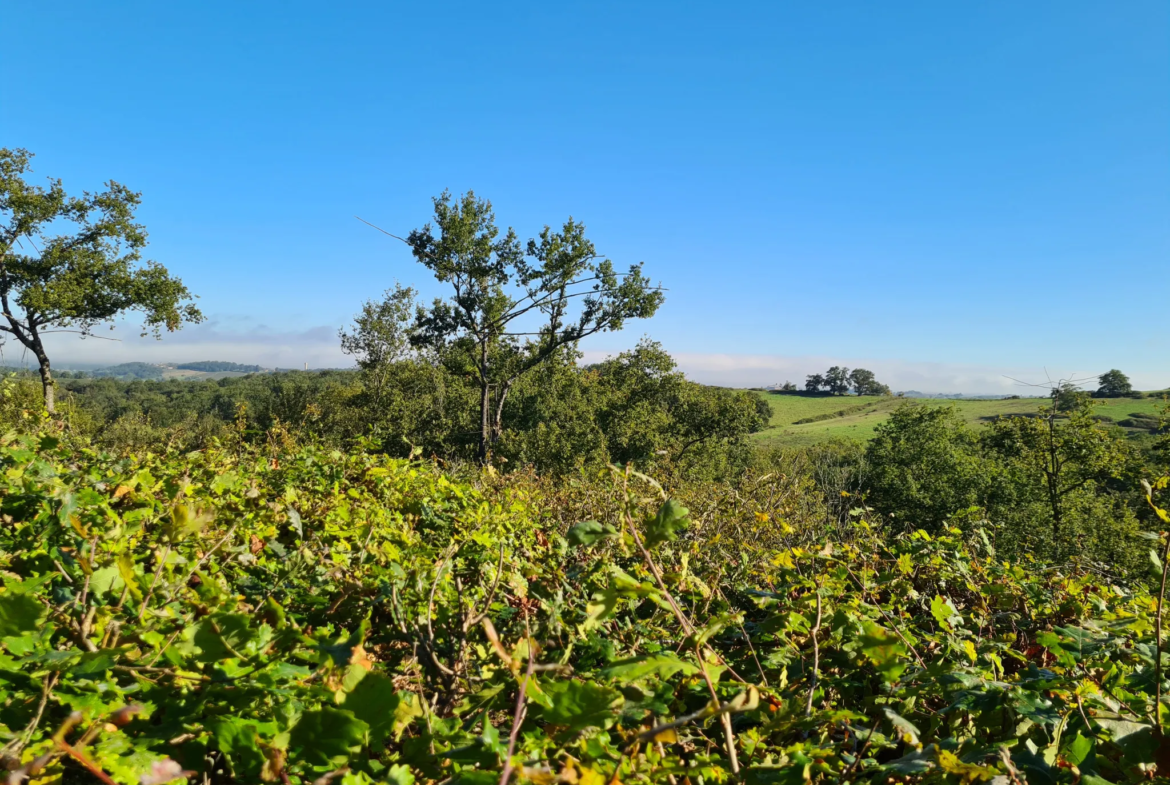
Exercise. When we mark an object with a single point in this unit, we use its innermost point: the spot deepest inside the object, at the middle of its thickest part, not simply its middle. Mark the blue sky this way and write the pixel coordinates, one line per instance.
(946, 192)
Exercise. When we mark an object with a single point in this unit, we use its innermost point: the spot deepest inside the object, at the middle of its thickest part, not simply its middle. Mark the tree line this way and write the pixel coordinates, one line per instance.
(839, 380)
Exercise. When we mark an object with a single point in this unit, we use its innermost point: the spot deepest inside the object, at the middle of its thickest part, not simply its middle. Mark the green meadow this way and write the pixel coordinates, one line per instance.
(801, 420)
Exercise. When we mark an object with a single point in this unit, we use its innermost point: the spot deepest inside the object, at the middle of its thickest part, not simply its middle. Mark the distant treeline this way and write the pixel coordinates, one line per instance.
(144, 371)
(219, 366)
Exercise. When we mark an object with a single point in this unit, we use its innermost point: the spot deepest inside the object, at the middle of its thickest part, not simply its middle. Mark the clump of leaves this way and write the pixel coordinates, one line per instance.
(310, 615)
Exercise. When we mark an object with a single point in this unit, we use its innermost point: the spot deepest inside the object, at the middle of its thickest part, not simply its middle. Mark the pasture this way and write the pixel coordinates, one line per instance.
(801, 420)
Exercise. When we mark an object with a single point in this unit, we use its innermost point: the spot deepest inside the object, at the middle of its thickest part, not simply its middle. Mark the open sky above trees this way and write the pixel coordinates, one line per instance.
(942, 194)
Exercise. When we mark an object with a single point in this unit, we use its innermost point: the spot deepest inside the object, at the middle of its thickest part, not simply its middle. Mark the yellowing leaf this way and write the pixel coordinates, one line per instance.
(969, 649)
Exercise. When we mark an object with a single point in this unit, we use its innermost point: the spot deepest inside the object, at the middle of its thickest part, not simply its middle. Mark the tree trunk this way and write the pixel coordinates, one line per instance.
(485, 425)
(485, 405)
(47, 383)
(498, 418)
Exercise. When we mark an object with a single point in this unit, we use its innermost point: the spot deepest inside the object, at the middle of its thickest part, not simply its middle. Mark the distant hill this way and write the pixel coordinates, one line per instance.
(218, 366)
(128, 371)
(957, 396)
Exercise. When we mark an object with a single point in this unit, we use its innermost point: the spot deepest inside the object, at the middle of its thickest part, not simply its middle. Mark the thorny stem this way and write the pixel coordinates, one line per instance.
(812, 687)
(78, 756)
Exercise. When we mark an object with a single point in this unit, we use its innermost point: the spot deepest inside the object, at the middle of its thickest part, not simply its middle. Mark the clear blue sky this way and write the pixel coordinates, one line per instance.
(970, 183)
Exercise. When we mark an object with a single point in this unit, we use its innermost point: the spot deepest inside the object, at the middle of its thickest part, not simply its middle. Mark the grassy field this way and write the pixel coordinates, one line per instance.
(855, 417)
(199, 376)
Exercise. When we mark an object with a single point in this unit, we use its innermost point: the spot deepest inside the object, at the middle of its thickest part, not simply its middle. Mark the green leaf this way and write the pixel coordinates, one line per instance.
(662, 665)
(228, 481)
(1078, 749)
(884, 649)
(943, 611)
(381, 707)
(794, 774)
(916, 762)
(106, 580)
(222, 636)
(907, 731)
(239, 739)
(399, 775)
(587, 533)
(19, 613)
(327, 737)
(579, 705)
(185, 520)
(664, 526)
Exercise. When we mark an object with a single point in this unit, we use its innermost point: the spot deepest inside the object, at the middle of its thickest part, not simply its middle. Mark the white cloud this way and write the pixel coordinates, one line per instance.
(241, 339)
(760, 370)
(230, 339)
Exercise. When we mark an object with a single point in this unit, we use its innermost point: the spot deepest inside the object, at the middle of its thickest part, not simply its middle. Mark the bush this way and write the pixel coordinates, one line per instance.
(280, 612)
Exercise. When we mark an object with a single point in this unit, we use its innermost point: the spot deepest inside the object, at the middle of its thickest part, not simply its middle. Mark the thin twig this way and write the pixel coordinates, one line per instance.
(477, 618)
(154, 581)
(521, 705)
(80, 757)
(706, 712)
(208, 555)
(889, 621)
(865, 747)
(1158, 634)
(812, 687)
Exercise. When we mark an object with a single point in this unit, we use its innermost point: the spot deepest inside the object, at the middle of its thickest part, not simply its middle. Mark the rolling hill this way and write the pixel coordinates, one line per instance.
(799, 419)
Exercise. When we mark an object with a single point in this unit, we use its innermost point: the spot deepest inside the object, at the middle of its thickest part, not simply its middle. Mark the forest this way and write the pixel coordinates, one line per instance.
(475, 558)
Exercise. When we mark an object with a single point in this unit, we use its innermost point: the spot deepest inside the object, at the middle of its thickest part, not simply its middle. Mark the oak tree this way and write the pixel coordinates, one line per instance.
(514, 306)
(72, 263)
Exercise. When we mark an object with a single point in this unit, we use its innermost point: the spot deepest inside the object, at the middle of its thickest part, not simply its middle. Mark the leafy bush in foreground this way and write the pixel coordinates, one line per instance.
(301, 615)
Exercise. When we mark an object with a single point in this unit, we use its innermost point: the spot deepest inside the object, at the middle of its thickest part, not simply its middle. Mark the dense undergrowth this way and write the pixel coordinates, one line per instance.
(274, 612)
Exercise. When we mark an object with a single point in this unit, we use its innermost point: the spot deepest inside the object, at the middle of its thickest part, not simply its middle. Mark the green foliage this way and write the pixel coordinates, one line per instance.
(74, 282)
(1113, 384)
(129, 371)
(864, 382)
(925, 467)
(284, 613)
(219, 366)
(839, 381)
(1063, 464)
(553, 292)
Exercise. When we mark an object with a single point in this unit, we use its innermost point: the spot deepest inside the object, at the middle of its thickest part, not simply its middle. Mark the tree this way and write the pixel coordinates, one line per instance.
(1067, 397)
(74, 282)
(1067, 451)
(864, 382)
(380, 335)
(837, 380)
(551, 293)
(1114, 384)
(814, 382)
(925, 467)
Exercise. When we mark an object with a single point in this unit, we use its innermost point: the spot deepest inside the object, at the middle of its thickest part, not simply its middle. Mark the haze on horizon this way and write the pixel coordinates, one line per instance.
(947, 195)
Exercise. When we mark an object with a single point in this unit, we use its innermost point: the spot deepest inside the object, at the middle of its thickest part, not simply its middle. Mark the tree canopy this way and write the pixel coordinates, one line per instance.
(514, 306)
(839, 380)
(1114, 384)
(54, 281)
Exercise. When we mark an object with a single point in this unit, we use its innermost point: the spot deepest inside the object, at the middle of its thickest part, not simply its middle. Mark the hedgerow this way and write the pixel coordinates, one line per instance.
(285, 613)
